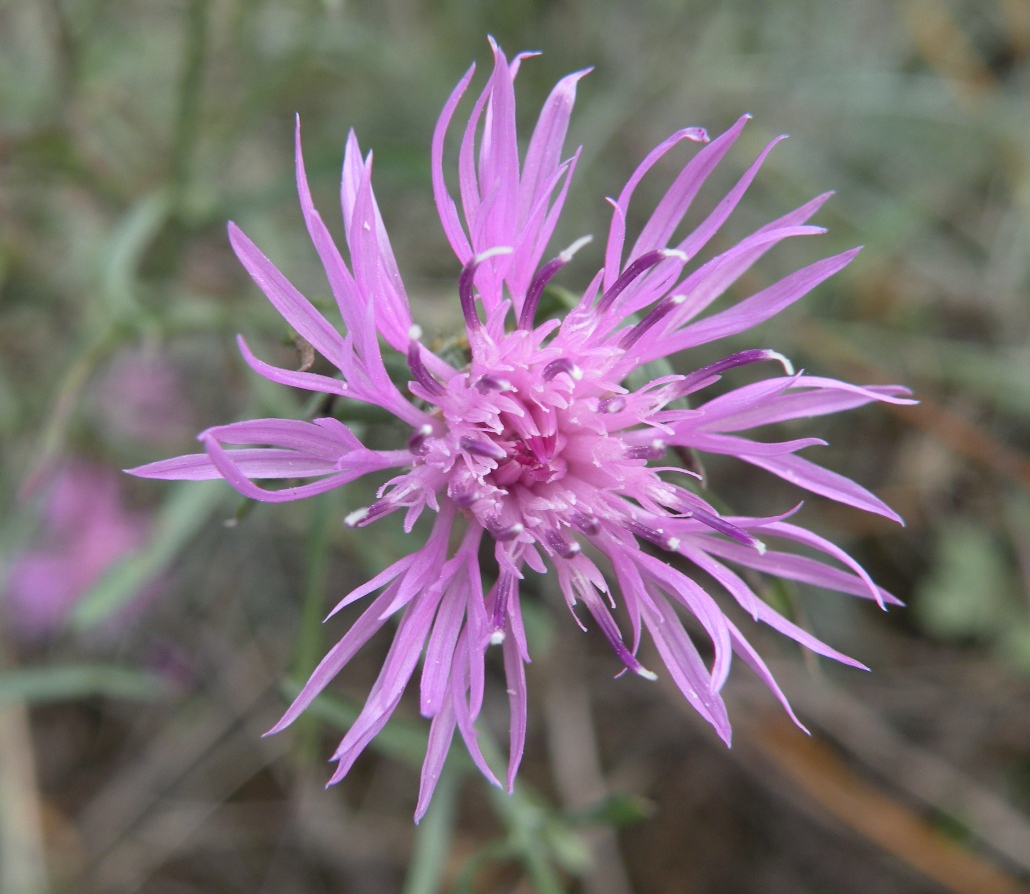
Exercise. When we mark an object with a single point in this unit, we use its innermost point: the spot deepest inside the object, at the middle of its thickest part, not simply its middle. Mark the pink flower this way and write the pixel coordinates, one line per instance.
(86, 530)
(537, 444)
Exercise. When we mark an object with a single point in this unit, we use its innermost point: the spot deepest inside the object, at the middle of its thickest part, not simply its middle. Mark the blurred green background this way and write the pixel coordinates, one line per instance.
(131, 709)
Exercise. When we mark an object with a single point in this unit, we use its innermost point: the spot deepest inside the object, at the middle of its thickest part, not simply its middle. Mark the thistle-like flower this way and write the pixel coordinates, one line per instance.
(537, 445)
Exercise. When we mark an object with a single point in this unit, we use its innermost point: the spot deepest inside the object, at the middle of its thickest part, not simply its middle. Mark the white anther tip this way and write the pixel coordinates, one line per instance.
(356, 517)
(492, 253)
(761, 547)
(415, 332)
(568, 253)
(576, 372)
(646, 674)
(675, 253)
(788, 367)
(497, 637)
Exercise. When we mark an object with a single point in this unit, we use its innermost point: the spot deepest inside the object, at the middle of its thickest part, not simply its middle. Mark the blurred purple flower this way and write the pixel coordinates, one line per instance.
(538, 444)
(142, 399)
(86, 529)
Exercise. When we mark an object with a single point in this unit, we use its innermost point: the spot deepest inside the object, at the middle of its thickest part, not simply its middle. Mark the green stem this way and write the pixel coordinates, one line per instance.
(309, 632)
(434, 836)
(189, 91)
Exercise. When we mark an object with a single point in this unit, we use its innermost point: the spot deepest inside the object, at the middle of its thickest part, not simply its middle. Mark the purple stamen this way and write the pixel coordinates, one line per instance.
(729, 529)
(542, 278)
(504, 533)
(506, 585)
(588, 524)
(466, 293)
(708, 374)
(660, 310)
(614, 404)
(654, 450)
(611, 633)
(482, 448)
(417, 442)
(490, 383)
(463, 499)
(562, 547)
(419, 371)
(641, 265)
(562, 365)
(657, 536)
(368, 514)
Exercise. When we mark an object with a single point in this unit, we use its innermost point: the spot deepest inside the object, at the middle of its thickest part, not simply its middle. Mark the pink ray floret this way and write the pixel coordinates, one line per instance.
(537, 445)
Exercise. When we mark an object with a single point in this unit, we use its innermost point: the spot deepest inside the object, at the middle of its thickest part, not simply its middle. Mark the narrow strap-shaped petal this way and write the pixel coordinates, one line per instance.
(389, 686)
(535, 232)
(699, 603)
(823, 482)
(293, 378)
(674, 204)
(301, 449)
(467, 709)
(348, 297)
(445, 206)
(499, 155)
(750, 312)
(515, 676)
(294, 307)
(823, 397)
(734, 446)
(699, 237)
(685, 665)
(441, 732)
(744, 650)
(359, 633)
(234, 473)
(617, 231)
(375, 269)
(762, 611)
(793, 567)
(468, 178)
(808, 538)
(545, 145)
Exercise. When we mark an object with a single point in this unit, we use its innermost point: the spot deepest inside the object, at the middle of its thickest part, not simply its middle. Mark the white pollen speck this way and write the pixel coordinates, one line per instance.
(497, 637)
(658, 444)
(367, 226)
(356, 517)
(415, 332)
(677, 299)
(425, 429)
(761, 547)
(672, 544)
(576, 372)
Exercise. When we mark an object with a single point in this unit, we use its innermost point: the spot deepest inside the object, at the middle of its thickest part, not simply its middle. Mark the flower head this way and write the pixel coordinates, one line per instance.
(538, 445)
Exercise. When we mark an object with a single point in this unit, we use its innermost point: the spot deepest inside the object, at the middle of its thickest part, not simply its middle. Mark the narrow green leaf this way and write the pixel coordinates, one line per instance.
(71, 682)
